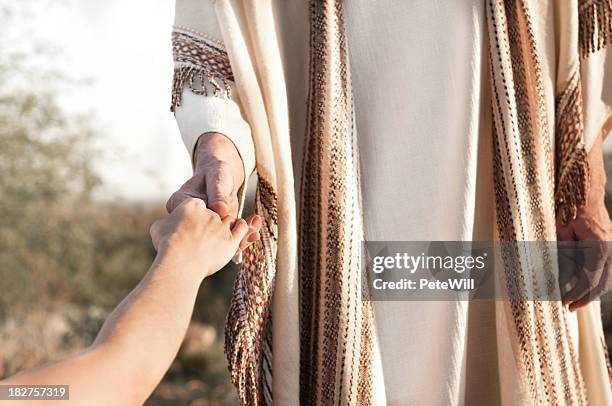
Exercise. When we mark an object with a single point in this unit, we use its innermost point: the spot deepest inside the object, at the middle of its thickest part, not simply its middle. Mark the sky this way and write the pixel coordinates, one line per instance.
(123, 49)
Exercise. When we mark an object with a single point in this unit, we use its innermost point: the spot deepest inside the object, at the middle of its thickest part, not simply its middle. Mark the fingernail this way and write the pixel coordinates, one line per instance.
(256, 221)
(237, 259)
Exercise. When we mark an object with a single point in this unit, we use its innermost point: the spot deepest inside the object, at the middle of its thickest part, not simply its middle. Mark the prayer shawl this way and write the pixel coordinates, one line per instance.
(536, 173)
(310, 302)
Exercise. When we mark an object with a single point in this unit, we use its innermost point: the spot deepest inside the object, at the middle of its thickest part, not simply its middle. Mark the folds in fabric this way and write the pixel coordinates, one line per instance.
(336, 324)
(540, 166)
(529, 162)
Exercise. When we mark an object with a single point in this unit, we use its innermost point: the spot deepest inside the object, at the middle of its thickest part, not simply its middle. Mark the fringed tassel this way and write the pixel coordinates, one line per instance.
(248, 337)
(595, 25)
(572, 166)
(199, 81)
(571, 194)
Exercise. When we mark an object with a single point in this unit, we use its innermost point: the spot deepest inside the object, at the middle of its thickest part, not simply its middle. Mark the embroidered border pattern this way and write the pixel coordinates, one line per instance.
(248, 328)
(336, 325)
(572, 165)
(201, 63)
(524, 173)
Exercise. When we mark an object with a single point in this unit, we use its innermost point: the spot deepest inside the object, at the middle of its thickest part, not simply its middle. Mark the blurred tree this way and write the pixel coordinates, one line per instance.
(60, 250)
(67, 258)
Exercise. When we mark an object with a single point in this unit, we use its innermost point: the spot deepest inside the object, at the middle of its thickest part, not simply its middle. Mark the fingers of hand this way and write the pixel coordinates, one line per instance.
(593, 294)
(155, 233)
(191, 207)
(565, 233)
(193, 188)
(255, 224)
(252, 235)
(581, 288)
(593, 275)
(589, 259)
(239, 230)
(586, 283)
(567, 267)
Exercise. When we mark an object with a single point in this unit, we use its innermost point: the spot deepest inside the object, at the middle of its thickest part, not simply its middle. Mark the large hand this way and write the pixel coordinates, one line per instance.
(593, 229)
(217, 176)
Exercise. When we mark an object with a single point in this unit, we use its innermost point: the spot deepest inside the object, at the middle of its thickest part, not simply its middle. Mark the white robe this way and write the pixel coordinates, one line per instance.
(422, 112)
(418, 81)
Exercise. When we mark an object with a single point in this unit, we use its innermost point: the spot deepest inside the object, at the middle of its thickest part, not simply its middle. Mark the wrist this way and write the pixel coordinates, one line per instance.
(597, 185)
(214, 148)
(597, 194)
(179, 267)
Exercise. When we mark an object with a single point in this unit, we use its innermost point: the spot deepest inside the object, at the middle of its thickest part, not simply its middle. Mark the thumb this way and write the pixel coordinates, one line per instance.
(155, 232)
(239, 230)
(219, 188)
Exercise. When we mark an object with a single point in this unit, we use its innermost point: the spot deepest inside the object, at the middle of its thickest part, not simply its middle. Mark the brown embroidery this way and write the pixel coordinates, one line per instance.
(200, 63)
(248, 329)
(571, 156)
(525, 208)
(594, 24)
(335, 324)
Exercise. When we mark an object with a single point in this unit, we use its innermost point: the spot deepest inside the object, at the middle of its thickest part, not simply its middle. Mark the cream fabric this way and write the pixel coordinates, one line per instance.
(420, 83)
(597, 92)
(198, 115)
(266, 111)
(419, 136)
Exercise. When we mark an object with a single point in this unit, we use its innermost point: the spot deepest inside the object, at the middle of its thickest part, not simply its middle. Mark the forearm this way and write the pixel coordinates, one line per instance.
(135, 346)
(206, 104)
(143, 334)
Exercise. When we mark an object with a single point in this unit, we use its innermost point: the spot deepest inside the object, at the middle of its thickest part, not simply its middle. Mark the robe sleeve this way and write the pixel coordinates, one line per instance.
(204, 99)
(596, 73)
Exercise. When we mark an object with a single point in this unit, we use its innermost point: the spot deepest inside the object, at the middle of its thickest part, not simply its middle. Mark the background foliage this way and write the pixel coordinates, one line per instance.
(68, 257)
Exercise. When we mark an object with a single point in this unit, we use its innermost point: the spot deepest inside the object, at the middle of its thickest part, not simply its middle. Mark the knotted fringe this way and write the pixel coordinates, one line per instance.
(572, 181)
(595, 25)
(248, 337)
(200, 81)
(201, 63)
(336, 340)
